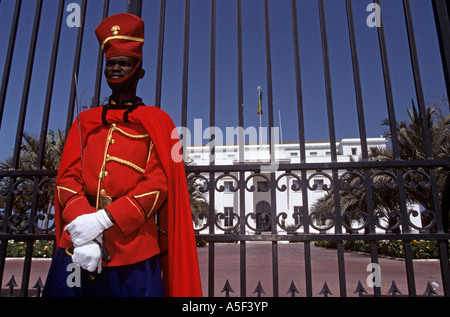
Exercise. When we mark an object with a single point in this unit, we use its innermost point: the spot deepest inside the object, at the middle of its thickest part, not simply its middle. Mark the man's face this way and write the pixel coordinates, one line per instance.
(119, 66)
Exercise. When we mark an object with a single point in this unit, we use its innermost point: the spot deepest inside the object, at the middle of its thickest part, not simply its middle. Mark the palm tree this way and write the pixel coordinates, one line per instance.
(198, 202)
(353, 197)
(411, 147)
(28, 161)
(30, 149)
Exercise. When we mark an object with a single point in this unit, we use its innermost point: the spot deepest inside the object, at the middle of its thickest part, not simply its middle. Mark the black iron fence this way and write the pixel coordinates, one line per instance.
(26, 190)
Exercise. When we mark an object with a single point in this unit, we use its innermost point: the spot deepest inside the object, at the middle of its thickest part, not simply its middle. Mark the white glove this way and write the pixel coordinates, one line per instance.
(88, 256)
(86, 228)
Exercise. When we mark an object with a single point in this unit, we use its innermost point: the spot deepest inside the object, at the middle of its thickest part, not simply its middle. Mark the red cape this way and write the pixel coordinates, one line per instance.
(181, 276)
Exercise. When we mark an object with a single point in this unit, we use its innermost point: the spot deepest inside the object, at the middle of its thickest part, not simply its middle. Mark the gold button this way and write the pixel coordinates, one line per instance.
(103, 192)
(107, 156)
(113, 141)
(106, 173)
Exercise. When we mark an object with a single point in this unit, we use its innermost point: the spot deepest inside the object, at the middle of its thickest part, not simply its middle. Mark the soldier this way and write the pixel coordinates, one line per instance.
(108, 190)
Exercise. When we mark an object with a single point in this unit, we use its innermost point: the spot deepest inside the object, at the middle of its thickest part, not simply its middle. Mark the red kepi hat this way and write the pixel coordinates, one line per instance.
(122, 35)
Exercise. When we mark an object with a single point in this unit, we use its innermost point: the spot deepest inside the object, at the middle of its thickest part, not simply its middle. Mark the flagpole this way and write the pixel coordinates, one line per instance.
(260, 116)
(281, 129)
(260, 121)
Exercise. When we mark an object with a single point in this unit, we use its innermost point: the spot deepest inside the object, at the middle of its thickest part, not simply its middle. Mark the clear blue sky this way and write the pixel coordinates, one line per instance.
(284, 91)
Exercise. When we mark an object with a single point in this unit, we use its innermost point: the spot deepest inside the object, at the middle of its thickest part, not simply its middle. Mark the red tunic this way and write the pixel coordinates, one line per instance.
(129, 161)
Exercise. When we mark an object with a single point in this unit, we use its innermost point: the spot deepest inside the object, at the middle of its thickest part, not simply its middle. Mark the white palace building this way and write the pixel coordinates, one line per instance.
(257, 199)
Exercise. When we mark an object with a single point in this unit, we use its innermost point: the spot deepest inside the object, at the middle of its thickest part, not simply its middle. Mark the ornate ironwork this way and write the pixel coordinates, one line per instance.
(387, 221)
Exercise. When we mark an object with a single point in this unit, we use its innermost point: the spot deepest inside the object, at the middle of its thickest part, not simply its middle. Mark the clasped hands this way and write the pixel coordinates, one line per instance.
(83, 231)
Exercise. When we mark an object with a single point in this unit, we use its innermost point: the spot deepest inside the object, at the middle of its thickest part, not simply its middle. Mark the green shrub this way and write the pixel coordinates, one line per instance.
(41, 249)
(421, 249)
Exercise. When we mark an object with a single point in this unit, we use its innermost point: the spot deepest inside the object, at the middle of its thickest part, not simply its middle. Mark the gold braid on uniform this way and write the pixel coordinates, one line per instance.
(110, 158)
(139, 136)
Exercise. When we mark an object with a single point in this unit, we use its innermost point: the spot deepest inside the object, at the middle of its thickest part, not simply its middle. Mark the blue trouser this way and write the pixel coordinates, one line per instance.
(141, 279)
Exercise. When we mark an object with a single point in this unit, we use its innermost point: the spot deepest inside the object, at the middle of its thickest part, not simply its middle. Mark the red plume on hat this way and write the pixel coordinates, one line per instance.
(121, 35)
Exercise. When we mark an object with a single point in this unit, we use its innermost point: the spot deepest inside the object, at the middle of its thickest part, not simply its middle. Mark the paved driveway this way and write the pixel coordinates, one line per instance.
(291, 265)
(291, 268)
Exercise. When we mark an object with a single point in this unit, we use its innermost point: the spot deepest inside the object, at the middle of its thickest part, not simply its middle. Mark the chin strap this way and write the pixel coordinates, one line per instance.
(119, 80)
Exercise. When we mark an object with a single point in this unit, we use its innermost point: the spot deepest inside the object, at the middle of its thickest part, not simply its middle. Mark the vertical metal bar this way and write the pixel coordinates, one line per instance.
(426, 136)
(269, 78)
(298, 81)
(243, 249)
(134, 7)
(394, 134)
(187, 7)
(395, 145)
(396, 153)
(9, 57)
(240, 82)
(159, 64)
(301, 137)
(332, 135)
(242, 245)
(445, 270)
(212, 123)
(21, 124)
(76, 67)
(41, 150)
(272, 148)
(357, 80)
(442, 19)
(361, 122)
(390, 107)
(427, 140)
(308, 266)
(417, 79)
(211, 252)
(6, 215)
(388, 89)
(5, 81)
(99, 71)
(327, 75)
(212, 76)
(26, 86)
(50, 84)
(211, 246)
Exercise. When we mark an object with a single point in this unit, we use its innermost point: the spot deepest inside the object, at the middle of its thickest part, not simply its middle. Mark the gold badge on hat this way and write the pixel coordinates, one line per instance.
(115, 30)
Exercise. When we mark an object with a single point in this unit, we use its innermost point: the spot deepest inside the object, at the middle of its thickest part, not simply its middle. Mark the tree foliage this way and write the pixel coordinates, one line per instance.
(384, 192)
(23, 188)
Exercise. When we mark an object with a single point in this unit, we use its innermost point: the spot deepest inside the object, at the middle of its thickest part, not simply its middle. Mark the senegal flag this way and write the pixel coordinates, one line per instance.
(260, 112)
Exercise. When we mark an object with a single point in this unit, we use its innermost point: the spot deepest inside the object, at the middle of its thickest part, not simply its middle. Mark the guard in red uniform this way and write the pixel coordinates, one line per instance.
(122, 209)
